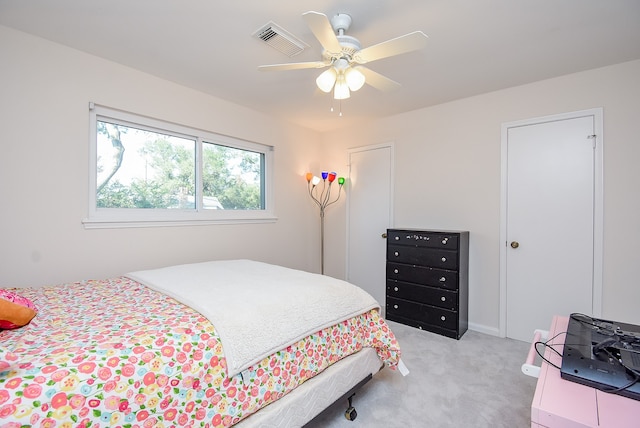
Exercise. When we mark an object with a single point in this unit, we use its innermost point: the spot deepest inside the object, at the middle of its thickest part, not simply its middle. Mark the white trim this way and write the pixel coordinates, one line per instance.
(106, 224)
(481, 328)
(598, 214)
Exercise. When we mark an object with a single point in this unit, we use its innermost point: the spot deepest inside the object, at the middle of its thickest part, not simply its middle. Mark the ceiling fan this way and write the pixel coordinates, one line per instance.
(344, 56)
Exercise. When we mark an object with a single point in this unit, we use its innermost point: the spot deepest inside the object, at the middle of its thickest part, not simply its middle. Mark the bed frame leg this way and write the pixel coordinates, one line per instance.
(351, 413)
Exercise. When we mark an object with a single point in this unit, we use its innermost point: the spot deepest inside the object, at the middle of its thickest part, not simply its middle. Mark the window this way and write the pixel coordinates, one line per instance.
(146, 172)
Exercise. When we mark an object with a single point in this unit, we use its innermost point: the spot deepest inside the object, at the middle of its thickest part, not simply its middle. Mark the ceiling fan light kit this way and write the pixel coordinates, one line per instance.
(340, 74)
(344, 56)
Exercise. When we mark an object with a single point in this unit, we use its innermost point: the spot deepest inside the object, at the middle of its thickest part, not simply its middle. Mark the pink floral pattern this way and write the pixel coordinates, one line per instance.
(114, 353)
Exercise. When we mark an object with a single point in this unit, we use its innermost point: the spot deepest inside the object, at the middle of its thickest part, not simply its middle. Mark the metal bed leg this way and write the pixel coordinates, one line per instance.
(351, 413)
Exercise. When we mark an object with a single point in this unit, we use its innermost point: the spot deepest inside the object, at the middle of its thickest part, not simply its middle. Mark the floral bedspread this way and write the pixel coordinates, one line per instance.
(114, 353)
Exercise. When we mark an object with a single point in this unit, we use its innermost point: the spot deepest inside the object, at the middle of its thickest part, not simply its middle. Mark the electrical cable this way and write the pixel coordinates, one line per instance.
(551, 347)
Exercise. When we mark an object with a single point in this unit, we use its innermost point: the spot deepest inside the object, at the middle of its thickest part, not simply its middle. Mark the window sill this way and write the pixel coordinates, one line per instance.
(124, 224)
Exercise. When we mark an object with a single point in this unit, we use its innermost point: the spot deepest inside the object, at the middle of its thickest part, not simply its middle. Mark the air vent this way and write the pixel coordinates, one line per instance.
(280, 39)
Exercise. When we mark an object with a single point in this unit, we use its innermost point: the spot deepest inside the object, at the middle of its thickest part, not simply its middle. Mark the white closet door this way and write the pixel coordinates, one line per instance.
(549, 223)
(369, 216)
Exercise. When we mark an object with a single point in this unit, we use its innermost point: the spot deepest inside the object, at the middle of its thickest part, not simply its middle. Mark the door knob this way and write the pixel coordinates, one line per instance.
(384, 235)
(514, 244)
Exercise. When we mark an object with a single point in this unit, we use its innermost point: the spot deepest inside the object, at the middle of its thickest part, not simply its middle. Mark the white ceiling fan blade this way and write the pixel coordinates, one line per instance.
(377, 80)
(399, 45)
(320, 26)
(293, 66)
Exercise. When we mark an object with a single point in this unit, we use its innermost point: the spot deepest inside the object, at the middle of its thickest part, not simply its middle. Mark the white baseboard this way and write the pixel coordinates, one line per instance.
(484, 329)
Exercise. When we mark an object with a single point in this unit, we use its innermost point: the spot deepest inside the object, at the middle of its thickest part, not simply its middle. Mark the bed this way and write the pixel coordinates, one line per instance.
(215, 344)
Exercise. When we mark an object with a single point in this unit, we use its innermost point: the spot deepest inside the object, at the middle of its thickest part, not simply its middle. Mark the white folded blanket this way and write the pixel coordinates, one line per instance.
(258, 308)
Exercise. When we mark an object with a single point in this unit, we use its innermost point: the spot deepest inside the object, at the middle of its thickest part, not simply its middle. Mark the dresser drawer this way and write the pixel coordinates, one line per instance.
(423, 313)
(453, 333)
(433, 296)
(434, 257)
(423, 275)
(423, 239)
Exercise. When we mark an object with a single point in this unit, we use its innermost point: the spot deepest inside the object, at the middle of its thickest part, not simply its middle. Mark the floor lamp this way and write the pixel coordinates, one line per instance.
(323, 200)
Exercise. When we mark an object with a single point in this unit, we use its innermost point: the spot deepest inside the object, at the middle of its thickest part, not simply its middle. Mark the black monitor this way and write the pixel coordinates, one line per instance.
(602, 354)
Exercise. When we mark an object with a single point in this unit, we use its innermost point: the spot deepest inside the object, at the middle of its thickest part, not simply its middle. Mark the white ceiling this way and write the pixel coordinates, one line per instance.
(474, 47)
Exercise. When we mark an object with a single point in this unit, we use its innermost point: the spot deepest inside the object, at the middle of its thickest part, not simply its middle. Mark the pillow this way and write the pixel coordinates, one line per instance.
(15, 310)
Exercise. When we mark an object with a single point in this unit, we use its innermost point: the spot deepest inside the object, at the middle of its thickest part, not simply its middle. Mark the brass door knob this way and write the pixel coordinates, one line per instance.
(514, 244)
(384, 235)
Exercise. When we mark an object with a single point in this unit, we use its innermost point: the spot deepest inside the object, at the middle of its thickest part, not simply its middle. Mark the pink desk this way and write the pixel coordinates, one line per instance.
(559, 403)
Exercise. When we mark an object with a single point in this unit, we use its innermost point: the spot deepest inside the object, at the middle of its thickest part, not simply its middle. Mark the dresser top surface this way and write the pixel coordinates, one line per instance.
(409, 229)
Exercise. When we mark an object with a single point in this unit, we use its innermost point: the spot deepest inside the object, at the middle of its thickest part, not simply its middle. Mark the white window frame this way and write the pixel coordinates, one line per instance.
(102, 218)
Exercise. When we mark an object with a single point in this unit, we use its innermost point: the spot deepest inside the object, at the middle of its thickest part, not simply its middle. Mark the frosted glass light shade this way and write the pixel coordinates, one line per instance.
(315, 180)
(341, 90)
(326, 80)
(355, 79)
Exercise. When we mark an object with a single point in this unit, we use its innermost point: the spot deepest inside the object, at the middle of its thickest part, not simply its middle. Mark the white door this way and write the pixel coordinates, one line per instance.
(369, 215)
(549, 222)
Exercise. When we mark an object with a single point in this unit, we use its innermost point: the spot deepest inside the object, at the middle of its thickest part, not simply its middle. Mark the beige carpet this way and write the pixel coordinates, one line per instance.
(473, 382)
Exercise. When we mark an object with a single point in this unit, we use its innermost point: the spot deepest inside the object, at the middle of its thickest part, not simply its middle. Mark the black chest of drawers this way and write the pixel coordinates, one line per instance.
(428, 280)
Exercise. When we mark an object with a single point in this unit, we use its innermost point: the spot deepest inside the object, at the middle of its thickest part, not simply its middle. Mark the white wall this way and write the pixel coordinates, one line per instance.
(447, 166)
(448, 175)
(45, 89)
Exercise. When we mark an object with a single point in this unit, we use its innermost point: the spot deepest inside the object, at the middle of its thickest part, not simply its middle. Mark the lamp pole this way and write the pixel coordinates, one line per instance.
(323, 200)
